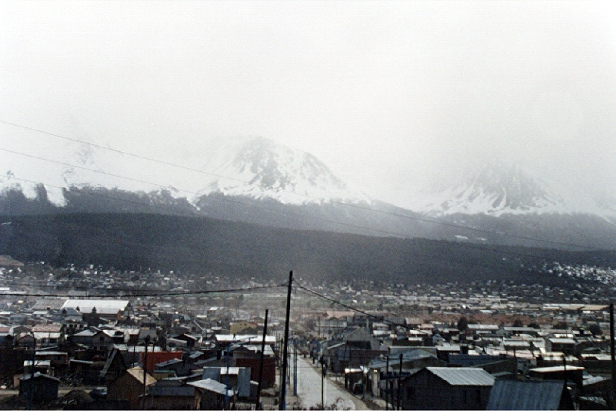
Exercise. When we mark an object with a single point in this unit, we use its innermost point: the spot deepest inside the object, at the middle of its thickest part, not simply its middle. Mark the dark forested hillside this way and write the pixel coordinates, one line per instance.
(240, 250)
(379, 219)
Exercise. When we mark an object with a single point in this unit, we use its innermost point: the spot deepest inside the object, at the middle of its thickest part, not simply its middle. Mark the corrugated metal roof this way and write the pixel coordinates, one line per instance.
(211, 385)
(85, 333)
(463, 376)
(525, 395)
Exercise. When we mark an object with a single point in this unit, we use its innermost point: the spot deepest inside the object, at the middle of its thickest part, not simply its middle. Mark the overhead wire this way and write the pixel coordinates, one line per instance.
(356, 206)
(340, 303)
(148, 294)
(224, 199)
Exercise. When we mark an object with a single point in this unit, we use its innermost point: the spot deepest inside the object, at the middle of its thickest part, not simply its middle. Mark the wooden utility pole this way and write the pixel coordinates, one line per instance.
(400, 382)
(613, 354)
(32, 369)
(145, 365)
(295, 368)
(259, 407)
(387, 384)
(285, 349)
(322, 383)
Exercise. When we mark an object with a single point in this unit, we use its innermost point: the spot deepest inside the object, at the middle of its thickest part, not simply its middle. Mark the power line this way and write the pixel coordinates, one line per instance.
(224, 199)
(149, 294)
(356, 206)
(324, 297)
(144, 291)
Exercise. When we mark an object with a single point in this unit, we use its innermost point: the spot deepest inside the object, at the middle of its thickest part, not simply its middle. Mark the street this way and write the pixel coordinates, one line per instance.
(309, 389)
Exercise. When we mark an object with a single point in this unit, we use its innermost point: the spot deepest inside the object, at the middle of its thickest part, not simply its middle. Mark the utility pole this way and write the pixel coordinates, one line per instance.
(31, 394)
(613, 354)
(227, 381)
(283, 388)
(262, 361)
(145, 365)
(322, 383)
(387, 384)
(295, 368)
(400, 382)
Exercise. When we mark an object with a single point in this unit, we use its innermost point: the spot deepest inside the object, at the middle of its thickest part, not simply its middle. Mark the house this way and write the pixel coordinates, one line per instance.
(114, 367)
(341, 356)
(254, 364)
(479, 329)
(188, 339)
(446, 388)
(172, 395)
(244, 327)
(529, 395)
(88, 371)
(361, 338)
(212, 395)
(102, 340)
(107, 308)
(24, 340)
(39, 387)
(237, 378)
(129, 387)
(564, 345)
(380, 370)
(48, 335)
(173, 367)
(58, 360)
(569, 373)
(159, 357)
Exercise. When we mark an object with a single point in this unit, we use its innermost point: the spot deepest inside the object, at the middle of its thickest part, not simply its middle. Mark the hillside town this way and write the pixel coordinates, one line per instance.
(97, 338)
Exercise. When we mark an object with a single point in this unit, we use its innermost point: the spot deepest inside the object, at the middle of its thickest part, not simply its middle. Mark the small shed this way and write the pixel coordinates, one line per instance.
(41, 387)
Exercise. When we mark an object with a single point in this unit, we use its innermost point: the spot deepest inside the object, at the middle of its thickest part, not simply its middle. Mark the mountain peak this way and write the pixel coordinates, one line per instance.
(494, 188)
(260, 168)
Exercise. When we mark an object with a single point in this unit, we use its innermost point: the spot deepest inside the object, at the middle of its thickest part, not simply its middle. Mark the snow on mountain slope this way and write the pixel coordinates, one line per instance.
(497, 189)
(253, 167)
(261, 169)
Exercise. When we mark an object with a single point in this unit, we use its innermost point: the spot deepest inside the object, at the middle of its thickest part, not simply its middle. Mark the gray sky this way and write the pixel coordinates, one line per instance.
(386, 93)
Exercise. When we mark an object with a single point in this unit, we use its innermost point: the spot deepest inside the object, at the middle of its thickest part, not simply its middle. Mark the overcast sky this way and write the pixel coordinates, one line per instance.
(385, 93)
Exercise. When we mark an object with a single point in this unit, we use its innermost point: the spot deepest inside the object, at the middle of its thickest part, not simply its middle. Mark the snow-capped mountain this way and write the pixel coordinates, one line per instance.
(256, 168)
(256, 181)
(496, 189)
(259, 168)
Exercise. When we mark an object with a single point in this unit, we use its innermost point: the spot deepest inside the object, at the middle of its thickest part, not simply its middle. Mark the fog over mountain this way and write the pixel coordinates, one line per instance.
(249, 167)
(387, 95)
(257, 181)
